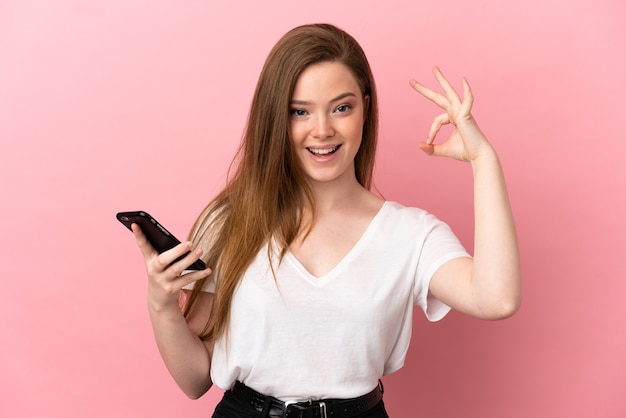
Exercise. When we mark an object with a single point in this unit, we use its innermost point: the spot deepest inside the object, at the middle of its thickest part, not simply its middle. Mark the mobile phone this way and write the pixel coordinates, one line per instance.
(160, 238)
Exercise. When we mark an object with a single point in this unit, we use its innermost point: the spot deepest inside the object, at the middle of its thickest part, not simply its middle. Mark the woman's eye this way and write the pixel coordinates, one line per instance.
(298, 112)
(343, 108)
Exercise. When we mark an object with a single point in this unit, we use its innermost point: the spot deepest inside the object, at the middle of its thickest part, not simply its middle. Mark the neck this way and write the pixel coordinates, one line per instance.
(338, 201)
(332, 195)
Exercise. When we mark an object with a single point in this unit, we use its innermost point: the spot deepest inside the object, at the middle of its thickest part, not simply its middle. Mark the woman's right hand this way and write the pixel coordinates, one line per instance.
(164, 280)
(187, 357)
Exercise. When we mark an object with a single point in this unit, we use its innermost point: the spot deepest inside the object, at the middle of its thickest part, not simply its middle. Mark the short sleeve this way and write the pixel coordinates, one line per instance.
(440, 246)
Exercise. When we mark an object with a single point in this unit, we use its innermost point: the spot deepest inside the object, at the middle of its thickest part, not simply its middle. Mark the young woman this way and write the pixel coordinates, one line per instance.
(313, 278)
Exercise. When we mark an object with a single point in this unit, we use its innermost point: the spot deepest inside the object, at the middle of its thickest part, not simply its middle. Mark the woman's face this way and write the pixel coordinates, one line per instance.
(327, 113)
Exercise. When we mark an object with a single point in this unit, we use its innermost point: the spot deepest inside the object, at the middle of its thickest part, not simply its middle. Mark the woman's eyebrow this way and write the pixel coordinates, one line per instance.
(336, 99)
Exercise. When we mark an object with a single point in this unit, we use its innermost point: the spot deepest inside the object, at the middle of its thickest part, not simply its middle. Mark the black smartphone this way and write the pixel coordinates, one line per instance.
(160, 238)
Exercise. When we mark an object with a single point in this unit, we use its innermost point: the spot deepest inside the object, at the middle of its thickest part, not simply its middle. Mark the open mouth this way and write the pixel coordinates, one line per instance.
(323, 151)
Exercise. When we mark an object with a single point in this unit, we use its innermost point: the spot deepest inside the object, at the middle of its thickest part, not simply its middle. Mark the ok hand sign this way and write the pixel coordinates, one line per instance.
(467, 142)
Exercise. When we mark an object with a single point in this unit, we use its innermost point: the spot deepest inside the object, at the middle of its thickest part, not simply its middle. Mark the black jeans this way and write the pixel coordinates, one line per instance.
(229, 407)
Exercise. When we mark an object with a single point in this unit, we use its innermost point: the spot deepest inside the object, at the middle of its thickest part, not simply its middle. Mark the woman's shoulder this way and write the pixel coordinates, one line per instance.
(399, 212)
(395, 206)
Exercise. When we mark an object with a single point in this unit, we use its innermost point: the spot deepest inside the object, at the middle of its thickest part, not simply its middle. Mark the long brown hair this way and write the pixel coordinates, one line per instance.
(263, 201)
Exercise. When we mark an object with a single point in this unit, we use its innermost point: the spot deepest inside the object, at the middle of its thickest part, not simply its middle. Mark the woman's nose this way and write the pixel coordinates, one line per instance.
(323, 128)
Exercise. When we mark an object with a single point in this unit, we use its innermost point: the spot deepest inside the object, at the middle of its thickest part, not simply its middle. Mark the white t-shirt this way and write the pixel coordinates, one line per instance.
(302, 337)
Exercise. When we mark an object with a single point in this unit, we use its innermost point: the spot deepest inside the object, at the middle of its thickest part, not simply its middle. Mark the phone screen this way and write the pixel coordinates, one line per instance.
(160, 238)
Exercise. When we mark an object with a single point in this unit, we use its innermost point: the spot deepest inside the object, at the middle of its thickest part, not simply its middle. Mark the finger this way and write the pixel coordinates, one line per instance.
(427, 148)
(468, 97)
(438, 122)
(436, 150)
(169, 260)
(431, 95)
(446, 86)
(177, 267)
(189, 278)
(142, 242)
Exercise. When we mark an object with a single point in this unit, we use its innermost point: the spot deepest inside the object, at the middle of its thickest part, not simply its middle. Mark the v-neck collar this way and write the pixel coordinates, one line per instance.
(354, 251)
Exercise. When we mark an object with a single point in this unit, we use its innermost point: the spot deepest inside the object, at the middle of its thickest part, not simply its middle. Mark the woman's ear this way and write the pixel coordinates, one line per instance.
(366, 106)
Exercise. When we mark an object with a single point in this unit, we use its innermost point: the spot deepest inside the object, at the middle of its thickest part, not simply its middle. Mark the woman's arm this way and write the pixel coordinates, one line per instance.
(489, 285)
(186, 356)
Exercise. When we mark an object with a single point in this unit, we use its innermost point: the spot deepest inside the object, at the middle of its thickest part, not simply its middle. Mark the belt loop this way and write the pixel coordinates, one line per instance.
(287, 411)
(267, 404)
(380, 385)
(323, 410)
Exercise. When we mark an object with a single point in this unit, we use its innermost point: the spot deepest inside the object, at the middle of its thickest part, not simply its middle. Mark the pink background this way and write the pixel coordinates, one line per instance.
(127, 105)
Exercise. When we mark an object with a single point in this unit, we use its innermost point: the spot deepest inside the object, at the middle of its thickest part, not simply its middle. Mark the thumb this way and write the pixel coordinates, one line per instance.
(428, 149)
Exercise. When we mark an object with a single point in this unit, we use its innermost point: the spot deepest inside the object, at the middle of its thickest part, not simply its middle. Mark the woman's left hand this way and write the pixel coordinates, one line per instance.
(467, 142)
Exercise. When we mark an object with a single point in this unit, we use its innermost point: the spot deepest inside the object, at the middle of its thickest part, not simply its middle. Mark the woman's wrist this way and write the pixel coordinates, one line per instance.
(170, 308)
(486, 157)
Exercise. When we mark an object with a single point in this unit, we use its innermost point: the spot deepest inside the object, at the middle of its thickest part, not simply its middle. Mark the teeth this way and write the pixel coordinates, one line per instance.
(326, 151)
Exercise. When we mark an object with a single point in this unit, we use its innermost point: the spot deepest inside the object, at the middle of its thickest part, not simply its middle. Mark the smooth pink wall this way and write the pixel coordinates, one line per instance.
(125, 105)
